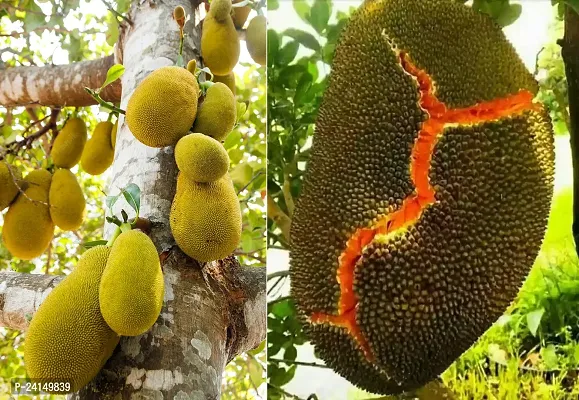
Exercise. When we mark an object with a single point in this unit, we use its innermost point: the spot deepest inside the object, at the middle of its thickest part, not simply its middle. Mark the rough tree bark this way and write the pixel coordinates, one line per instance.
(570, 54)
(57, 85)
(212, 312)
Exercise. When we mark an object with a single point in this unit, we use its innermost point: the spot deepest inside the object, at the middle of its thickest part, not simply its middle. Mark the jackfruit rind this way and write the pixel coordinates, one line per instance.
(69, 143)
(66, 201)
(68, 338)
(219, 41)
(163, 107)
(201, 158)
(218, 112)
(228, 80)
(427, 292)
(99, 153)
(240, 14)
(28, 228)
(206, 218)
(9, 176)
(255, 37)
(114, 135)
(131, 290)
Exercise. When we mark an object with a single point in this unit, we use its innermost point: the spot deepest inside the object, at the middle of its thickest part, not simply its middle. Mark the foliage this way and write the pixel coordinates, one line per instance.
(41, 32)
(533, 351)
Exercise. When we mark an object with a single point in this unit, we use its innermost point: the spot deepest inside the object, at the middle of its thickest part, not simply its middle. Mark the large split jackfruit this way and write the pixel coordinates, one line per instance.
(163, 107)
(426, 197)
(66, 200)
(69, 143)
(68, 339)
(99, 152)
(219, 41)
(9, 176)
(206, 218)
(28, 228)
(132, 287)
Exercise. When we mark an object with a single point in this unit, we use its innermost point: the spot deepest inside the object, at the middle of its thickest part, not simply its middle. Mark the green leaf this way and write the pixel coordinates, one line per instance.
(272, 5)
(272, 46)
(241, 110)
(302, 9)
(112, 35)
(549, 356)
(241, 174)
(509, 14)
(35, 18)
(114, 73)
(534, 320)
(574, 4)
(306, 39)
(258, 349)
(287, 53)
(291, 353)
(110, 201)
(180, 62)
(320, 15)
(256, 372)
(232, 140)
(95, 243)
(132, 195)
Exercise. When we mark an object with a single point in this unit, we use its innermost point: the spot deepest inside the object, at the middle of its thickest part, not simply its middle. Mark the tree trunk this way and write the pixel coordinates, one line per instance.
(570, 53)
(212, 311)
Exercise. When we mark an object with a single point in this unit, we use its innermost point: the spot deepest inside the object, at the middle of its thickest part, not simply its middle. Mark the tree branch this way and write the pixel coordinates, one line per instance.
(61, 85)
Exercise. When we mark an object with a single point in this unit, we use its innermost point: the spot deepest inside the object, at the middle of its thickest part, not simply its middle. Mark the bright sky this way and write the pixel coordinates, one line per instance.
(528, 34)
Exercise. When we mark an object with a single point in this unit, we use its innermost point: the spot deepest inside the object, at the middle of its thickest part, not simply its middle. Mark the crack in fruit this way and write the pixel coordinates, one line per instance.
(439, 117)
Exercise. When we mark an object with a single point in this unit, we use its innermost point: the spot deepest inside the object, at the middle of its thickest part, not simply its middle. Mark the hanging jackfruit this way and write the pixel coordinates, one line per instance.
(66, 200)
(255, 39)
(228, 80)
(163, 107)
(240, 14)
(114, 135)
(206, 218)
(131, 290)
(28, 228)
(219, 40)
(69, 143)
(9, 176)
(426, 196)
(98, 154)
(68, 339)
(218, 112)
(201, 158)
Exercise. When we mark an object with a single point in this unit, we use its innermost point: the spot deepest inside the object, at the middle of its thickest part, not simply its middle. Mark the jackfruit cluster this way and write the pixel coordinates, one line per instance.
(219, 41)
(9, 181)
(66, 200)
(163, 107)
(68, 338)
(99, 152)
(218, 112)
(426, 292)
(69, 143)
(131, 290)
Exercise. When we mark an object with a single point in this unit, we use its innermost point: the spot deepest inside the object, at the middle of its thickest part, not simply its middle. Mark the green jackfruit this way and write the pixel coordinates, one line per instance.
(114, 135)
(69, 143)
(98, 154)
(255, 39)
(28, 228)
(240, 14)
(163, 107)
(228, 80)
(206, 218)
(66, 201)
(426, 196)
(132, 288)
(219, 41)
(68, 339)
(217, 113)
(201, 158)
(8, 188)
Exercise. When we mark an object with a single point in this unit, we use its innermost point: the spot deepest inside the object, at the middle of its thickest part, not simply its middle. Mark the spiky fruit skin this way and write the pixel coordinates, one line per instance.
(427, 292)
(66, 200)
(8, 188)
(240, 15)
(255, 38)
(163, 107)
(201, 158)
(219, 41)
(114, 135)
(99, 153)
(228, 80)
(69, 143)
(68, 338)
(206, 218)
(217, 113)
(28, 228)
(131, 290)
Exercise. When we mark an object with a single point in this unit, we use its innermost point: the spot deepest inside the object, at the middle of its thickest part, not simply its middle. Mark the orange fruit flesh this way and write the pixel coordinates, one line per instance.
(413, 206)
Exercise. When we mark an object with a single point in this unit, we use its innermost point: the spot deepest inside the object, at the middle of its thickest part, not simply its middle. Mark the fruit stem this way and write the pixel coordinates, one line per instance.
(114, 237)
(103, 103)
(125, 227)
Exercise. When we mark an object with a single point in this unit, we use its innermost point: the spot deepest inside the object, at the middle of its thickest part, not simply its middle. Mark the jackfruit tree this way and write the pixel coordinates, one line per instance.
(89, 190)
(369, 203)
